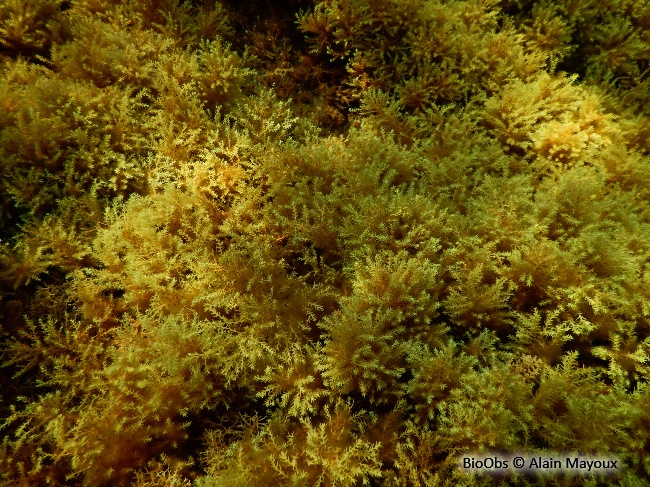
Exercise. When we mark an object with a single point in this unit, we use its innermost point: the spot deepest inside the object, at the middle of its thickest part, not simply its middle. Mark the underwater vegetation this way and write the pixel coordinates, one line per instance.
(322, 243)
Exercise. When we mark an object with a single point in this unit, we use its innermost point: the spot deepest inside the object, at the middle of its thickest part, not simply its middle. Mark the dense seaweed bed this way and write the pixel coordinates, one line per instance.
(322, 243)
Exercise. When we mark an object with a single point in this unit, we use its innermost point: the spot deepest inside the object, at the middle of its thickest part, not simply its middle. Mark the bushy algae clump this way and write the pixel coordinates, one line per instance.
(328, 243)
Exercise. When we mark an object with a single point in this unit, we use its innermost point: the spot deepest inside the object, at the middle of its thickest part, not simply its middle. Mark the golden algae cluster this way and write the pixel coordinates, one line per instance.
(322, 243)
